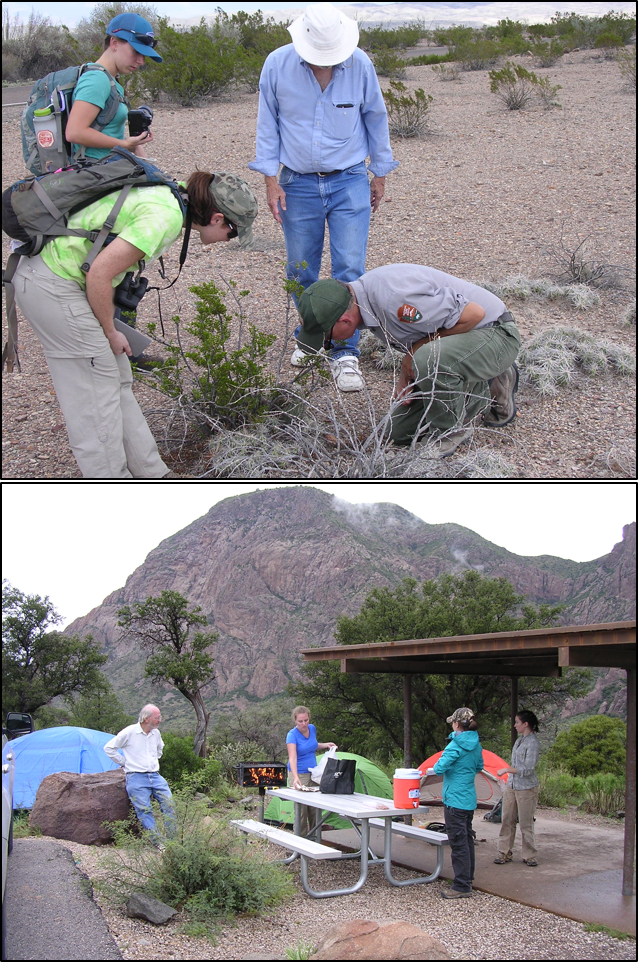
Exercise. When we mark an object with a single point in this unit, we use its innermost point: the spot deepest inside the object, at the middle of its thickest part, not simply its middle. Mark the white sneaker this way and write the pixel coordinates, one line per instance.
(345, 371)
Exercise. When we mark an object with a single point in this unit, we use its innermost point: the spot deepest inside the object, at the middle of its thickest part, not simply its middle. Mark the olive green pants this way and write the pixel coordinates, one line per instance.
(452, 376)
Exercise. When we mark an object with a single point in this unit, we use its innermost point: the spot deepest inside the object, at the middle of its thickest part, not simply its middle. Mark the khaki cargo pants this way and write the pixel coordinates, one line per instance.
(452, 374)
(107, 430)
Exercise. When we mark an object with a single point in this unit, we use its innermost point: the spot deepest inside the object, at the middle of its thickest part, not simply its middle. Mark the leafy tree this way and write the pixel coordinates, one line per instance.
(594, 745)
(364, 712)
(99, 709)
(178, 656)
(39, 663)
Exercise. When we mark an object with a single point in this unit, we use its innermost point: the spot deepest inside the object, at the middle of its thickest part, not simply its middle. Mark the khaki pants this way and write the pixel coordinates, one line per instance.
(309, 816)
(522, 804)
(107, 430)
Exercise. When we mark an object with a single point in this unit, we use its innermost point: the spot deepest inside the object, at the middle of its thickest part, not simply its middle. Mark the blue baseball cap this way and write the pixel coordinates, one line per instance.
(135, 30)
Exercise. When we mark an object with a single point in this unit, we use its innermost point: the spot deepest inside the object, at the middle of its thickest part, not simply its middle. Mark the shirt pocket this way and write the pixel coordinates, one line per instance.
(341, 119)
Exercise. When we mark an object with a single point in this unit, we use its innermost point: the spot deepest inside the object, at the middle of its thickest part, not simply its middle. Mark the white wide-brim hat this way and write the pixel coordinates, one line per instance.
(324, 36)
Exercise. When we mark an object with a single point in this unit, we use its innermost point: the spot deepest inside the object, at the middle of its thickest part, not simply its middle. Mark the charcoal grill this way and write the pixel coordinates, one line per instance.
(261, 775)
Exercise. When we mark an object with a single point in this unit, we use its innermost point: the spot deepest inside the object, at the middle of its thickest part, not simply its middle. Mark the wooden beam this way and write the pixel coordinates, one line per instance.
(534, 667)
(569, 656)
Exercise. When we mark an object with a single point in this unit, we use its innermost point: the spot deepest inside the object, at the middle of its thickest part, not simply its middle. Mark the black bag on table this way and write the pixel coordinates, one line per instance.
(338, 776)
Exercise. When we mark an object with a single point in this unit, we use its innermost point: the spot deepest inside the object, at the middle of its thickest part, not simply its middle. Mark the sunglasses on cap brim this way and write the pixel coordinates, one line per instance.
(327, 341)
(142, 38)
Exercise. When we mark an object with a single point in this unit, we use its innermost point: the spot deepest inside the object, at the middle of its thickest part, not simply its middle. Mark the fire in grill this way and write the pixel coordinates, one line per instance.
(261, 774)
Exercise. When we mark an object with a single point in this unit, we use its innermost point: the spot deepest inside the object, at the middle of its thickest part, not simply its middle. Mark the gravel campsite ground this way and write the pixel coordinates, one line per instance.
(483, 927)
(486, 194)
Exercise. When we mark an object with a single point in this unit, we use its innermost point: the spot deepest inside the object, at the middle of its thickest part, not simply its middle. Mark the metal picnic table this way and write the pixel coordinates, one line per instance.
(358, 809)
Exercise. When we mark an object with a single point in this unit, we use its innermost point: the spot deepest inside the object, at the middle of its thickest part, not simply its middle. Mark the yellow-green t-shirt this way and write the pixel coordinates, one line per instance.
(150, 219)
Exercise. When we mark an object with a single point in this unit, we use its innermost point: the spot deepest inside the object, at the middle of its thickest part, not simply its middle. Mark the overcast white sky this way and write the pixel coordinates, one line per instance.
(70, 13)
(77, 544)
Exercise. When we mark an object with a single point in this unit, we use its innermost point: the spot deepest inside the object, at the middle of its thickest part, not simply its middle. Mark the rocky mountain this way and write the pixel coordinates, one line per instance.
(273, 570)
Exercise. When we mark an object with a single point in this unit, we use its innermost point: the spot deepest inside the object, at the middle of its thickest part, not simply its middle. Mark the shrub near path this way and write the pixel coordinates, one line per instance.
(486, 194)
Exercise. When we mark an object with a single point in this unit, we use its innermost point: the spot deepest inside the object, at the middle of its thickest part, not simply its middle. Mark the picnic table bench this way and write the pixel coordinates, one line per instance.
(296, 843)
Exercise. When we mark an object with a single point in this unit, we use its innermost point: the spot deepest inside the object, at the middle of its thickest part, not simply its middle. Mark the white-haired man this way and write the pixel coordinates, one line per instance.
(138, 749)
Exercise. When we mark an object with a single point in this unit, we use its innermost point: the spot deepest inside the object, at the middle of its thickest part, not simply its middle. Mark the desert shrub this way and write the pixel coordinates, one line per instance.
(629, 316)
(407, 116)
(382, 38)
(517, 87)
(178, 758)
(557, 357)
(206, 870)
(604, 793)
(523, 287)
(590, 747)
(547, 53)
(558, 788)
(478, 54)
(446, 71)
(582, 263)
(213, 382)
(627, 65)
(36, 47)
(387, 64)
(197, 64)
(231, 754)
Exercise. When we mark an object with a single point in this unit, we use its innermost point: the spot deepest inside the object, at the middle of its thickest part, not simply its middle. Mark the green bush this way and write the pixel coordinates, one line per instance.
(206, 870)
(591, 746)
(214, 383)
(407, 116)
(178, 758)
(604, 794)
(387, 64)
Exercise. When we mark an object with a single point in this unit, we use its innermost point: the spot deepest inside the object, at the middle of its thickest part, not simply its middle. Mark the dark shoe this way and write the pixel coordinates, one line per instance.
(502, 859)
(502, 390)
(530, 861)
(454, 894)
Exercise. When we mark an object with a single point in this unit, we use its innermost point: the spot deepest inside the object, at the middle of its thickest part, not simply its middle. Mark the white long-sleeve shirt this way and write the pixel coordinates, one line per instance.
(134, 750)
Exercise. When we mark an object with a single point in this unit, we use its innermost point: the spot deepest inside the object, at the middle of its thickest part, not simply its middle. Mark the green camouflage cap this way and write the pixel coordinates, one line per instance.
(235, 199)
(321, 305)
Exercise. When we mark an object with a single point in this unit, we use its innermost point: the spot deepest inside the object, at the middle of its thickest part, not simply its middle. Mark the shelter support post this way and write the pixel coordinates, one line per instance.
(513, 708)
(630, 786)
(407, 723)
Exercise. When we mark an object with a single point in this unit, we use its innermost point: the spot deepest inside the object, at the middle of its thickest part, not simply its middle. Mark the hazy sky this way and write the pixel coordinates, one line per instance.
(70, 13)
(77, 544)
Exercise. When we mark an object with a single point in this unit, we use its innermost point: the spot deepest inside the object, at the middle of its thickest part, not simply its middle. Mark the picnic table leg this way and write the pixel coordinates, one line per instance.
(387, 854)
(365, 827)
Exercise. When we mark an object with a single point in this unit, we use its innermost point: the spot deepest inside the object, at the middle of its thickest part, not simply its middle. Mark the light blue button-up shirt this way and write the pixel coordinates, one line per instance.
(311, 131)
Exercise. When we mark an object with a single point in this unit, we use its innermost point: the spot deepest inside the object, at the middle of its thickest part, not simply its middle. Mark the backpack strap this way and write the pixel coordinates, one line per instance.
(10, 352)
(106, 229)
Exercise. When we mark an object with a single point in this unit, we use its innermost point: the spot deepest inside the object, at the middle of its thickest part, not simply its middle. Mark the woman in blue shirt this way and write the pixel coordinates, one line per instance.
(301, 742)
(129, 40)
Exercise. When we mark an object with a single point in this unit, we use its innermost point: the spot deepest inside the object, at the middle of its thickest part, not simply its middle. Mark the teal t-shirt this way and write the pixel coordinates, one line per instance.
(94, 87)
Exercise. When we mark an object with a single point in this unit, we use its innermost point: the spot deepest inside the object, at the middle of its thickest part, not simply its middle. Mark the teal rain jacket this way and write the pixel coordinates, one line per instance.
(459, 763)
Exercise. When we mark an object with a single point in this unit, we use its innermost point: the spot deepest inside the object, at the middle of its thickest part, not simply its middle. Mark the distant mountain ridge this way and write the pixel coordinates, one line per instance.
(273, 570)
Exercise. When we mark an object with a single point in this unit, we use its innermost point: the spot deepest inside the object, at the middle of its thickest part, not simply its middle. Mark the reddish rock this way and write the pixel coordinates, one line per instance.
(361, 939)
(73, 806)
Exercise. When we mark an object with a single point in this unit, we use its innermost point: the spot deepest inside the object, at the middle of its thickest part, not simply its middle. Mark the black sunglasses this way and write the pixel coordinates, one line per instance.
(233, 228)
(140, 38)
(327, 341)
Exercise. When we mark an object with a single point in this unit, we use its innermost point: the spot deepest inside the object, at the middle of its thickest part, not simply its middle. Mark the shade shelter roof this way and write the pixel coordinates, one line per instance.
(537, 651)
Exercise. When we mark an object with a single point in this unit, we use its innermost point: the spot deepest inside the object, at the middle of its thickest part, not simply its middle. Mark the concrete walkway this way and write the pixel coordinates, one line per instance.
(579, 872)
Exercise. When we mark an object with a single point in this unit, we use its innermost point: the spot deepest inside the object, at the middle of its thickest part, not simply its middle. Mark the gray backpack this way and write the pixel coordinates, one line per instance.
(37, 209)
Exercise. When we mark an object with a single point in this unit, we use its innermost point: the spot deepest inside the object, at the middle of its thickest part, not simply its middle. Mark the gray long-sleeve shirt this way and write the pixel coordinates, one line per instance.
(525, 759)
(405, 302)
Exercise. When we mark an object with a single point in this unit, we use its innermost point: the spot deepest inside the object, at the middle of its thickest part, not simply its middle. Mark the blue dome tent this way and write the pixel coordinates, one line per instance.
(51, 750)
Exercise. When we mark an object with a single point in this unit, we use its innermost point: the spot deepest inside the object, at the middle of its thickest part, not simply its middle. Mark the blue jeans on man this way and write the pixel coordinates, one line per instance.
(141, 787)
(343, 201)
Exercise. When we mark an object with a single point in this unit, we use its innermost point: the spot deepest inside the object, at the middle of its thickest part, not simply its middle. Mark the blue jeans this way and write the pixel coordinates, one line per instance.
(141, 787)
(343, 200)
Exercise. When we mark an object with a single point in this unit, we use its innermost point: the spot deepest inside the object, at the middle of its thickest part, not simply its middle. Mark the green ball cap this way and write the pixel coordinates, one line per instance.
(321, 305)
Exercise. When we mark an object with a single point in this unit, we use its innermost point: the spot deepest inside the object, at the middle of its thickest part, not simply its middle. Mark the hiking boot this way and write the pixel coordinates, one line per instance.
(454, 894)
(503, 858)
(449, 443)
(530, 861)
(346, 373)
(502, 389)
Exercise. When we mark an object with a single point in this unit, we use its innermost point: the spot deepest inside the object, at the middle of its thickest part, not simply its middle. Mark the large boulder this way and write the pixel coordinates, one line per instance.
(73, 806)
(361, 939)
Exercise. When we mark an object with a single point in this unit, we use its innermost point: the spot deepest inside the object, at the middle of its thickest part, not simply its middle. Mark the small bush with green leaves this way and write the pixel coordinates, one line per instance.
(517, 87)
(407, 116)
(387, 64)
(627, 65)
(214, 383)
(206, 869)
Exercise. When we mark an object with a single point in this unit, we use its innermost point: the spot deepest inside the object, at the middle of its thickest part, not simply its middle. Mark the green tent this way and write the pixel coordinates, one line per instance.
(280, 811)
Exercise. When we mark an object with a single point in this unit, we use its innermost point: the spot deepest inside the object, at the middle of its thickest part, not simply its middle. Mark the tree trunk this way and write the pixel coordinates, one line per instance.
(201, 727)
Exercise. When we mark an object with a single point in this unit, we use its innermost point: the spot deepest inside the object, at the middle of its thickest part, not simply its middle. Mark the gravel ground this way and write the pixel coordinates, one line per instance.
(483, 927)
(484, 195)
